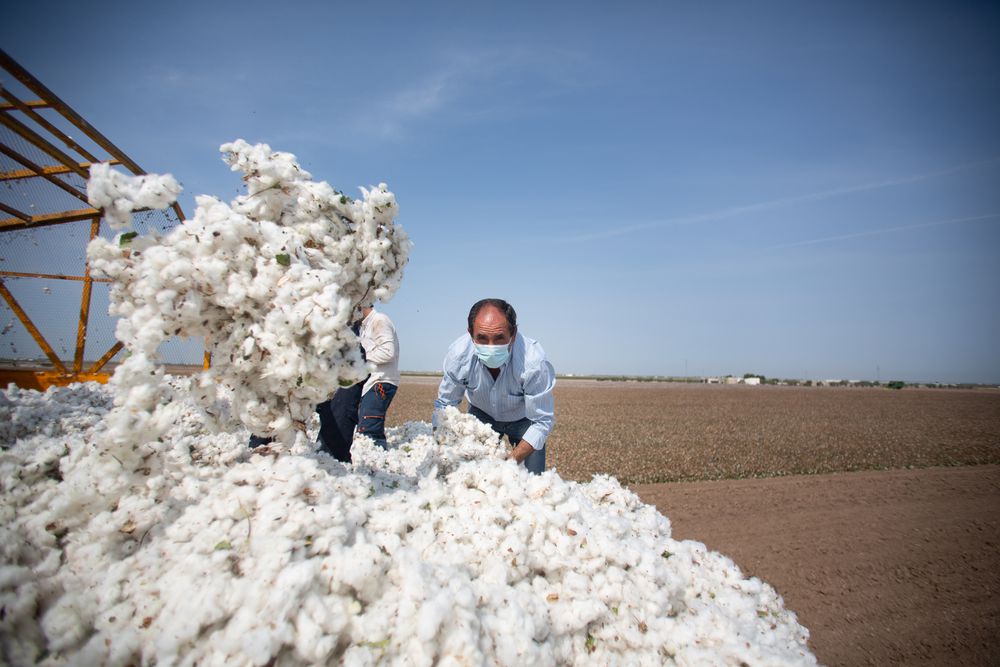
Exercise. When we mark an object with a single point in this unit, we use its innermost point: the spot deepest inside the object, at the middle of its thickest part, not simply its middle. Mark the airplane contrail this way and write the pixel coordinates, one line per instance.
(778, 203)
(883, 230)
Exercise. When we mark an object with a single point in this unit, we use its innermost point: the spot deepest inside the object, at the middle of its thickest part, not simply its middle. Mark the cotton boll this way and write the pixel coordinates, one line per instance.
(312, 644)
(118, 195)
(65, 624)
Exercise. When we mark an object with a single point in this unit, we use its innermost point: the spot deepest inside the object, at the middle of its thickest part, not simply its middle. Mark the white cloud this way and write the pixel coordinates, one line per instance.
(475, 85)
(424, 98)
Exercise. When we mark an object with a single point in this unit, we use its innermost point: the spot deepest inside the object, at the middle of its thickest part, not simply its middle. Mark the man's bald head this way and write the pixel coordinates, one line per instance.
(492, 322)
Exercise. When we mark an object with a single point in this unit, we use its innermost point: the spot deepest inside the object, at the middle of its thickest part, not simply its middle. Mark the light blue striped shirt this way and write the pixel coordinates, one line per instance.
(522, 389)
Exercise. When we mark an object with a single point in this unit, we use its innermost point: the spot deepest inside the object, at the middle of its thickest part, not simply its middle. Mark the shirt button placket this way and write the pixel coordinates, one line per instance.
(495, 402)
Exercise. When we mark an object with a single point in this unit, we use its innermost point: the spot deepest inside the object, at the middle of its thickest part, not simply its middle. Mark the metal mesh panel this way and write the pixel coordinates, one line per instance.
(37, 196)
(59, 249)
(54, 305)
(45, 228)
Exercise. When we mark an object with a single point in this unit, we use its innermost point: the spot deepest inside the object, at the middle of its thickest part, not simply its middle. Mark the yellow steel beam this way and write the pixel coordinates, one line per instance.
(20, 215)
(112, 351)
(40, 171)
(42, 122)
(32, 329)
(41, 142)
(50, 276)
(30, 378)
(9, 224)
(28, 173)
(34, 104)
(81, 329)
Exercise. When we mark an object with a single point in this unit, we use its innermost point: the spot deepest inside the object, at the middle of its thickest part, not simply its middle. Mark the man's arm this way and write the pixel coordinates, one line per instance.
(522, 451)
(452, 388)
(380, 344)
(450, 391)
(539, 408)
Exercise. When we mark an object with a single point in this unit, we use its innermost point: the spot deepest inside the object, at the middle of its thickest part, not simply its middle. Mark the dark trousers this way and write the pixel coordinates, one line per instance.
(371, 415)
(515, 432)
(337, 419)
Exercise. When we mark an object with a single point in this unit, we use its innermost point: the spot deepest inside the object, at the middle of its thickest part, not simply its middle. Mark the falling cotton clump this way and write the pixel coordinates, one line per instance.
(119, 195)
(436, 551)
(270, 281)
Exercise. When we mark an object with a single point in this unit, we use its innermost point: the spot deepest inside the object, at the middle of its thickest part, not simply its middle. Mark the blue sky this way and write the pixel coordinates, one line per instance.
(797, 189)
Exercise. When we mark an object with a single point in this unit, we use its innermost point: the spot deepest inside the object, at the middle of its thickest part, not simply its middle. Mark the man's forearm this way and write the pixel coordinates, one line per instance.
(522, 451)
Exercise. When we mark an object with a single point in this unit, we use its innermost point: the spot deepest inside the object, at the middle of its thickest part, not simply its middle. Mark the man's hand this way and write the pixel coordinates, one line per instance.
(521, 452)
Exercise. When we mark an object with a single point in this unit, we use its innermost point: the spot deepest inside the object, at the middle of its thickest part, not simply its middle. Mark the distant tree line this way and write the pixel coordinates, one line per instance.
(789, 382)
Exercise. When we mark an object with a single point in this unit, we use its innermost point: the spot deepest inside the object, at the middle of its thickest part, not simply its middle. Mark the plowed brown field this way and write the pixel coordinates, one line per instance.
(837, 497)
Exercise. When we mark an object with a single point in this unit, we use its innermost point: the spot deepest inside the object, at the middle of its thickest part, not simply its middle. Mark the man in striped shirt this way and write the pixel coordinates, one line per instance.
(507, 379)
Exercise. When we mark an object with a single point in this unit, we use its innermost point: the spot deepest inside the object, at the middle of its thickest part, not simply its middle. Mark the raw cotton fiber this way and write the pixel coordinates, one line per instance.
(435, 551)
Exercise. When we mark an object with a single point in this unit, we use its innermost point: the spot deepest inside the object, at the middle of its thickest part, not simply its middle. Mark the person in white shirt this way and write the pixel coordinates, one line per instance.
(338, 416)
(507, 379)
(381, 346)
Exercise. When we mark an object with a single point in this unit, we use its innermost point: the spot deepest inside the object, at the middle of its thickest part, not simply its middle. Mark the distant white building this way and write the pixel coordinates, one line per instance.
(751, 381)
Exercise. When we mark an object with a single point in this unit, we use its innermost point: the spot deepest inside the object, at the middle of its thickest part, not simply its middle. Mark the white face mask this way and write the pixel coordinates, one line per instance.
(492, 356)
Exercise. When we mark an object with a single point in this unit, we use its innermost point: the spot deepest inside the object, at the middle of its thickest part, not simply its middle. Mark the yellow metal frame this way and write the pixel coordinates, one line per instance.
(60, 373)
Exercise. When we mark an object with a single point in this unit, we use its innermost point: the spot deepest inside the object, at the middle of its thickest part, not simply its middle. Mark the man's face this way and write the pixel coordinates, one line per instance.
(490, 328)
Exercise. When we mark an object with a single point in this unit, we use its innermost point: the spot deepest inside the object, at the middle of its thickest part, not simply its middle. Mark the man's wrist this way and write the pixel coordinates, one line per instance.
(523, 450)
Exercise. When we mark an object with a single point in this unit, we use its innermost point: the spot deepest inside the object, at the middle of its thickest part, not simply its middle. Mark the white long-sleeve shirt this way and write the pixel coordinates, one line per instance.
(522, 389)
(378, 337)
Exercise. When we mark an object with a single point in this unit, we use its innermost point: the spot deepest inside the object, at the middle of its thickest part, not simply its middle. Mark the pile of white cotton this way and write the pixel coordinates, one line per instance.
(436, 551)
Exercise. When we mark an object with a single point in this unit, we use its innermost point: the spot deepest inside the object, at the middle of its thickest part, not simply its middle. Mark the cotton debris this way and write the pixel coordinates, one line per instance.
(118, 195)
(435, 551)
(270, 281)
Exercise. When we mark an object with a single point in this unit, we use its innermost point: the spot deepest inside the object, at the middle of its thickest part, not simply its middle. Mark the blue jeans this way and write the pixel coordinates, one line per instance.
(514, 431)
(371, 414)
(337, 419)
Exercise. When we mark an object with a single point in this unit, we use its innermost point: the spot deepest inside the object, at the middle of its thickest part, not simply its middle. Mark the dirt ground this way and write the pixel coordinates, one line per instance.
(893, 567)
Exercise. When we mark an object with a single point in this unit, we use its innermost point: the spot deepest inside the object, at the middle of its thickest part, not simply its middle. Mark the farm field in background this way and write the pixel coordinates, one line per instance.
(662, 432)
